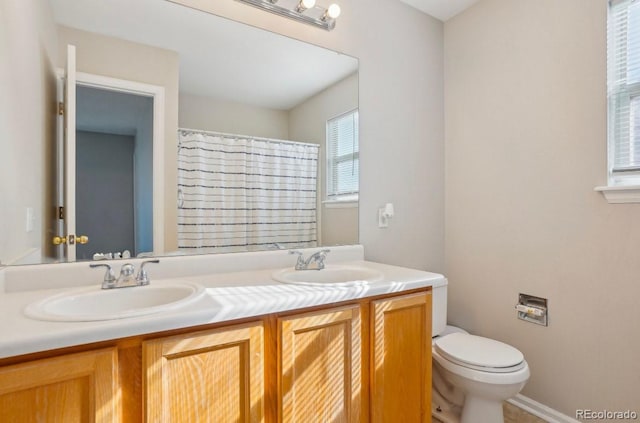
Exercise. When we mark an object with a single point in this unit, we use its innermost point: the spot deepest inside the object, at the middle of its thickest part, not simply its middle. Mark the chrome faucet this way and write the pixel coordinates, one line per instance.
(126, 278)
(143, 277)
(318, 258)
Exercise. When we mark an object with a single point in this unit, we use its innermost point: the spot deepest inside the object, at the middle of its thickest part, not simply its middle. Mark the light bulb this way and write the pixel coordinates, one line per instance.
(307, 4)
(333, 11)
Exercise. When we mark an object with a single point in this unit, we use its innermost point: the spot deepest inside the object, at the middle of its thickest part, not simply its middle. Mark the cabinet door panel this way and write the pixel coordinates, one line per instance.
(320, 366)
(209, 376)
(79, 387)
(401, 359)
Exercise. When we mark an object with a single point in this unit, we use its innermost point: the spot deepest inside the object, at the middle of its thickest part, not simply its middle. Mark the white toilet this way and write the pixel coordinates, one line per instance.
(472, 375)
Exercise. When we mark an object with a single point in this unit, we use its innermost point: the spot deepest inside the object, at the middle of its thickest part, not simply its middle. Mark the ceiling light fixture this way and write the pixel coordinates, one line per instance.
(301, 10)
(333, 11)
(304, 5)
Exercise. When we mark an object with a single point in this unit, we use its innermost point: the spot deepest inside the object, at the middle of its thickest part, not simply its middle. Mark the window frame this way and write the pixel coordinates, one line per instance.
(346, 199)
(623, 182)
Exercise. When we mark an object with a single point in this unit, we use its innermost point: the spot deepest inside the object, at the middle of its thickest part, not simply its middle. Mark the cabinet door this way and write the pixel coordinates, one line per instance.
(401, 359)
(320, 366)
(79, 387)
(209, 376)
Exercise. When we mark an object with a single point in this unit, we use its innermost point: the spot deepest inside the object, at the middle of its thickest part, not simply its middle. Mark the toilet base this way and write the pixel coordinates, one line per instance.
(476, 410)
(442, 409)
(480, 410)
(445, 416)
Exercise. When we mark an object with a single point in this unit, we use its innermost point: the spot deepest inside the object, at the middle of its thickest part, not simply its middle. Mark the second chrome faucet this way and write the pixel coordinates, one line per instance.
(126, 278)
(314, 262)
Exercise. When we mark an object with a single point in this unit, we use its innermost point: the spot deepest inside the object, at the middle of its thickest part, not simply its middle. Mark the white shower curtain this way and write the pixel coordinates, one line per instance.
(237, 193)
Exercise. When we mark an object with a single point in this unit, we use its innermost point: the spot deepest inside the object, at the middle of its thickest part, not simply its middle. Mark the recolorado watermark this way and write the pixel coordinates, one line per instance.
(586, 414)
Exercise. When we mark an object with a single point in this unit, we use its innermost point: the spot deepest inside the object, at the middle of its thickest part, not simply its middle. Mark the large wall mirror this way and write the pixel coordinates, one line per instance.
(193, 134)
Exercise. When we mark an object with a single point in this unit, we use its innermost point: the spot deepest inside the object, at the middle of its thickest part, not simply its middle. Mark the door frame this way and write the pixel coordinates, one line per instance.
(157, 93)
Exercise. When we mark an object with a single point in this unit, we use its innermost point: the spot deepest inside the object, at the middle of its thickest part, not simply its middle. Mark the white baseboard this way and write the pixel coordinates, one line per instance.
(540, 410)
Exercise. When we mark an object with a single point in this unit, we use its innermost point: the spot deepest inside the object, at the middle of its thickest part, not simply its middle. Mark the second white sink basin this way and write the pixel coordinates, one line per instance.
(93, 304)
(333, 275)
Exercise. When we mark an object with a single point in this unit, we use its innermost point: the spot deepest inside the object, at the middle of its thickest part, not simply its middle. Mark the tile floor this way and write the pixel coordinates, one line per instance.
(513, 414)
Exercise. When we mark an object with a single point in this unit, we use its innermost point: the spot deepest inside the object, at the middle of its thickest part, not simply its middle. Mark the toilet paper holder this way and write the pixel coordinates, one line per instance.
(532, 309)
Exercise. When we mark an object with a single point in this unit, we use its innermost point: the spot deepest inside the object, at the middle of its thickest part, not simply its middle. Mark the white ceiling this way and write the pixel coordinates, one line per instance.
(218, 57)
(441, 9)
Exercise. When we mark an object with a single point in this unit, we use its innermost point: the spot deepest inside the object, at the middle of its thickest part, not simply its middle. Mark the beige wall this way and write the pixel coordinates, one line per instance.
(339, 225)
(206, 113)
(401, 118)
(122, 59)
(27, 122)
(525, 110)
(308, 122)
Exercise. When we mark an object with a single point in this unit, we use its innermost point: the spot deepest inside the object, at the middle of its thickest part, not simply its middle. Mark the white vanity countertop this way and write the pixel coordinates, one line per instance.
(228, 296)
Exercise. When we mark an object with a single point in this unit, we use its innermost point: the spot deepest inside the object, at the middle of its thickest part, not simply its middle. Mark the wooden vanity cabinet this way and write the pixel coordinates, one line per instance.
(354, 362)
(81, 387)
(366, 362)
(208, 376)
(320, 366)
(401, 359)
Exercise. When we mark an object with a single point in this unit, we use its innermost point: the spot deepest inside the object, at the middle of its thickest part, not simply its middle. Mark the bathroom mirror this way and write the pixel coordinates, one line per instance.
(217, 76)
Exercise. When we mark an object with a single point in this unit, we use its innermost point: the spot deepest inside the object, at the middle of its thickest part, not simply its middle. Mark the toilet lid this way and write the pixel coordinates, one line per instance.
(476, 351)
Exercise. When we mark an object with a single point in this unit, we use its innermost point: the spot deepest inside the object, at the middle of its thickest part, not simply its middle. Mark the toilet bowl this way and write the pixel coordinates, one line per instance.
(473, 375)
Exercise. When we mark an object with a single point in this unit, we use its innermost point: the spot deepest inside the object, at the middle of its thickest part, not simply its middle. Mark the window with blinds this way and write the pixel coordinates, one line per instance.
(623, 51)
(343, 157)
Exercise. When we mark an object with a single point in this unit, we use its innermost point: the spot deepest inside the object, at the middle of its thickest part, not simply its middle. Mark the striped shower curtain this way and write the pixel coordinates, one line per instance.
(238, 193)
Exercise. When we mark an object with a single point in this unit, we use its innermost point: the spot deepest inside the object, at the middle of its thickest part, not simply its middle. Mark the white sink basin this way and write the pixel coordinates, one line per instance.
(334, 275)
(92, 304)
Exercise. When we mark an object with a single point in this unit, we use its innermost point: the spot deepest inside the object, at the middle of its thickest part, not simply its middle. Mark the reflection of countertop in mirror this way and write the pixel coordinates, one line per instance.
(229, 295)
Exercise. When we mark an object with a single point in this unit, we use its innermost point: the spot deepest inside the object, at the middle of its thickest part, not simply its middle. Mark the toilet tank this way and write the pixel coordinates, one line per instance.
(439, 308)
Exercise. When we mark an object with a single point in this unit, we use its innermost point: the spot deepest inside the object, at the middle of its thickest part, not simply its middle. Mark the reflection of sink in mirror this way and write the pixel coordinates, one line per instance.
(92, 304)
(334, 275)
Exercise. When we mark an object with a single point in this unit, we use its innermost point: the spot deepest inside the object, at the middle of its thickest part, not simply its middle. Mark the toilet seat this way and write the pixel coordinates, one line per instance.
(479, 353)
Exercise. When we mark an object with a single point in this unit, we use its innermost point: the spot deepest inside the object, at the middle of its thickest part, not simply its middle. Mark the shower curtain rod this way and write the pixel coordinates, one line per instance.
(271, 140)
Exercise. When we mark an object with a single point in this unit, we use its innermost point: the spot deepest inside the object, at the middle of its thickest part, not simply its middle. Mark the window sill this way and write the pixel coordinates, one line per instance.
(620, 194)
(340, 204)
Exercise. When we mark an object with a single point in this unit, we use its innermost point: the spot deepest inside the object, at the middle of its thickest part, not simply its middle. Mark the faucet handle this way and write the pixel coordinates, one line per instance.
(320, 256)
(300, 264)
(143, 278)
(109, 277)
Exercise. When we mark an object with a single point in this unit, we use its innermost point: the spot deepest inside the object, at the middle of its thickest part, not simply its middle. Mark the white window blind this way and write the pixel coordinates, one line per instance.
(623, 51)
(343, 157)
